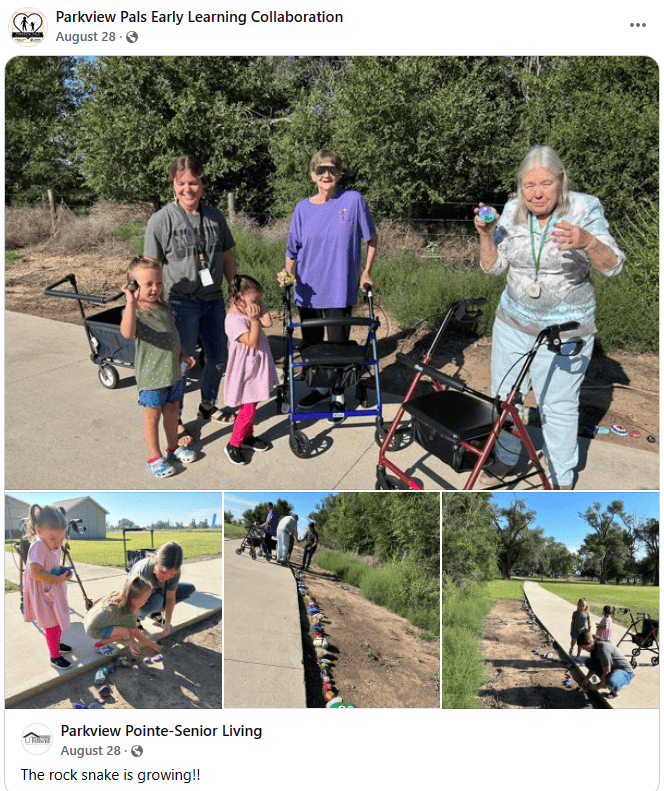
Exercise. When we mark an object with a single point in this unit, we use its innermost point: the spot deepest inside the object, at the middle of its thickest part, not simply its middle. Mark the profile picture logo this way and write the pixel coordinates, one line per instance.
(37, 739)
(27, 27)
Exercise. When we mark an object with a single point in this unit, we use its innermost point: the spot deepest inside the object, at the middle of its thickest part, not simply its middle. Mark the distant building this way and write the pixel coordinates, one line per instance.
(93, 516)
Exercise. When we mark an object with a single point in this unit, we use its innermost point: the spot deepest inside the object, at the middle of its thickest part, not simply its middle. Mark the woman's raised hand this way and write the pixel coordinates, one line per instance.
(484, 228)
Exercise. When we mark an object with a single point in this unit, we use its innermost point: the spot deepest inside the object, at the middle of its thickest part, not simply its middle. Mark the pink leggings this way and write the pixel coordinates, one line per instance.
(53, 634)
(244, 424)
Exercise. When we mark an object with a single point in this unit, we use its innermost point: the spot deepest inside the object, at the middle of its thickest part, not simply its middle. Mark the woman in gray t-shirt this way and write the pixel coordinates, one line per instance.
(607, 662)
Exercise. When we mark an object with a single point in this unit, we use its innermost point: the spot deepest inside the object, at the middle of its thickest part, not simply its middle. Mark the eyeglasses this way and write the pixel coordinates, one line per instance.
(320, 170)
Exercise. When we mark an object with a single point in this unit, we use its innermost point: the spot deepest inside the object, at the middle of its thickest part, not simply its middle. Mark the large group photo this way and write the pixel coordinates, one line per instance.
(346, 272)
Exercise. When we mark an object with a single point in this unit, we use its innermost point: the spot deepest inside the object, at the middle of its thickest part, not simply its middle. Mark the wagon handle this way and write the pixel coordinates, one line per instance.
(50, 291)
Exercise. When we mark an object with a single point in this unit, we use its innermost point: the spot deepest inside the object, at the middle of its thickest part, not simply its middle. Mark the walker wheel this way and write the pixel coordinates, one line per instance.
(633, 663)
(299, 444)
(388, 483)
(402, 438)
(238, 551)
(108, 376)
(636, 652)
(89, 604)
(655, 660)
(281, 401)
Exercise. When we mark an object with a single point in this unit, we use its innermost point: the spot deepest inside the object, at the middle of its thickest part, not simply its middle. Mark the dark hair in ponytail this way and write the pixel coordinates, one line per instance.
(240, 285)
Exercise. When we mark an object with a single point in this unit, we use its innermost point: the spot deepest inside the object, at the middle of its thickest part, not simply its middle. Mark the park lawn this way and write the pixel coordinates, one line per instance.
(109, 551)
(638, 598)
(234, 530)
(505, 589)
(11, 587)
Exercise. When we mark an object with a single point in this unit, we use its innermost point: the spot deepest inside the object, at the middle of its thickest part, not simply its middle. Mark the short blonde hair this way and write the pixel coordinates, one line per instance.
(545, 157)
(325, 155)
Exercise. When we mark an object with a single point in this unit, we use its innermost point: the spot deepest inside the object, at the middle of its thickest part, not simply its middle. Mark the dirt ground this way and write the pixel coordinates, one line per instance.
(188, 678)
(519, 678)
(620, 389)
(379, 662)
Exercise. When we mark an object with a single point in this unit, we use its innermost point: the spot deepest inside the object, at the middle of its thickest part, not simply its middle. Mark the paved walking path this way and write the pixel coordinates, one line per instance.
(27, 667)
(263, 664)
(555, 615)
(53, 399)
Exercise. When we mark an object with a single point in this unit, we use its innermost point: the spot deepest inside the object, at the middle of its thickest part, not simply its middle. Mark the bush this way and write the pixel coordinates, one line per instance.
(397, 586)
(462, 670)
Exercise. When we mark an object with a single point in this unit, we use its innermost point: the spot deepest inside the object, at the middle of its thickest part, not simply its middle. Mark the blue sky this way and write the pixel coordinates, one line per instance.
(303, 502)
(558, 512)
(142, 507)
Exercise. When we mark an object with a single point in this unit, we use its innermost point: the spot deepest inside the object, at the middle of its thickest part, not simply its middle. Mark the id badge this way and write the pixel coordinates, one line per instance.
(206, 277)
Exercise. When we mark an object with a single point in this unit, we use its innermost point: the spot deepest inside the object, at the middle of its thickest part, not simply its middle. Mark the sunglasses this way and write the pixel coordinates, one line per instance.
(320, 170)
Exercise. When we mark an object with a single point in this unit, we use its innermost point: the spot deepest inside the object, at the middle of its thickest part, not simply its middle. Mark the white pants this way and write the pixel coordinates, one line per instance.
(556, 381)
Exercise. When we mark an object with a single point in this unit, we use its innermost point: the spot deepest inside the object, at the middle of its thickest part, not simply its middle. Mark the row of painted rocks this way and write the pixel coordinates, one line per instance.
(321, 645)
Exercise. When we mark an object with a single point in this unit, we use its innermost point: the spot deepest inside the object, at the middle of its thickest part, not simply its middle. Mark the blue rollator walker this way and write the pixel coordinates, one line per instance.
(328, 365)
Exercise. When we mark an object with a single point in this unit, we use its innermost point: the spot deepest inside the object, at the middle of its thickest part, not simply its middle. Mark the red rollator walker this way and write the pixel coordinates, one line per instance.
(456, 423)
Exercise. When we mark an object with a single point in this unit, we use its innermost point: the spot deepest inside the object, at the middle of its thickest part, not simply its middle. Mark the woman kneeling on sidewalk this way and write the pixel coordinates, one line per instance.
(605, 661)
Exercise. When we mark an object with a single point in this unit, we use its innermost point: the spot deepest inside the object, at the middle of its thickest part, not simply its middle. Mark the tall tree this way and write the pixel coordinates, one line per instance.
(604, 544)
(469, 543)
(648, 533)
(516, 535)
(40, 100)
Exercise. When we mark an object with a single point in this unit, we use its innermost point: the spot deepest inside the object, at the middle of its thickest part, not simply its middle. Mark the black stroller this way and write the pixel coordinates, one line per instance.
(255, 540)
(460, 425)
(328, 365)
(644, 631)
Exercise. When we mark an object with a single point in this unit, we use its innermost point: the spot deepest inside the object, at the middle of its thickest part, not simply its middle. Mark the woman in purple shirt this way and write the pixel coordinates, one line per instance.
(325, 242)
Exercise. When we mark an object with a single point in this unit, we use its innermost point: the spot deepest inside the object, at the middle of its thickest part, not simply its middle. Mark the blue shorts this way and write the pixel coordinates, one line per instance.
(574, 635)
(107, 632)
(162, 395)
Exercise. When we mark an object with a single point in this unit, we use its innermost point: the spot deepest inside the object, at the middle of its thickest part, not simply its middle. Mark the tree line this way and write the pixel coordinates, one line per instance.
(421, 137)
(163, 525)
(482, 541)
(379, 524)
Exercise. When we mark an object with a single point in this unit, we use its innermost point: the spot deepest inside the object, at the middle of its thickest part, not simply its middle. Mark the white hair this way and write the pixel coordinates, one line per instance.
(545, 157)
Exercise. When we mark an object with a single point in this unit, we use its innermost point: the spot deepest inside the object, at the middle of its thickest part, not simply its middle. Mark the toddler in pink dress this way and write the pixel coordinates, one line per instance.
(250, 373)
(45, 593)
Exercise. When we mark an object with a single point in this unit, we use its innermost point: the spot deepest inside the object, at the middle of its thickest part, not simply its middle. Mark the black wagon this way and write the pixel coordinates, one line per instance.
(108, 348)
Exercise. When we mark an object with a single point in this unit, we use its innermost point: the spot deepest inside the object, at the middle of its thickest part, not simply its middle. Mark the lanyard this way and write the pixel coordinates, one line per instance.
(538, 257)
(198, 238)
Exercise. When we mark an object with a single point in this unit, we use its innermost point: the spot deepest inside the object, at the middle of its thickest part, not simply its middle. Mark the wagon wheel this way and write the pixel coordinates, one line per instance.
(238, 551)
(654, 660)
(362, 395)
(281, 400)
(299, 444)
(108, 376)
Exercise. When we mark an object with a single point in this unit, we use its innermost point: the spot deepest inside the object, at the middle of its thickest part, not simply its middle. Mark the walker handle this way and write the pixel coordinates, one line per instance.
(433, 373)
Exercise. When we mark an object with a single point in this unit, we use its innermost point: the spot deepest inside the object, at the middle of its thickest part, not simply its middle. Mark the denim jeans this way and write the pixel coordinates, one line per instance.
(194, 319)
(556, 381)
(307, 554)
(616, 680)
(156, 601)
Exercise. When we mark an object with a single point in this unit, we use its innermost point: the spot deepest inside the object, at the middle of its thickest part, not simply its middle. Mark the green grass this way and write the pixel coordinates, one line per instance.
(133, 232)
(234, 530)
(11, 587)
(505, 589)
(463, 669)
(398, 586)
(10, 255)
(109, 551)
(638, 598)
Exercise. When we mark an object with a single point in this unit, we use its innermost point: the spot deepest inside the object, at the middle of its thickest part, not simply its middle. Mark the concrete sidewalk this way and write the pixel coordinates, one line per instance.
(53, 399)
(27, 667)
(555, 615)
(263, 664)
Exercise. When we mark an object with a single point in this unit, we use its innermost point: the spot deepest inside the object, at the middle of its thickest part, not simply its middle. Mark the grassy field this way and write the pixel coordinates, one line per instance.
(109, 551)
(637, 597)
(10, 587)
(234, 530)
(505, 589)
